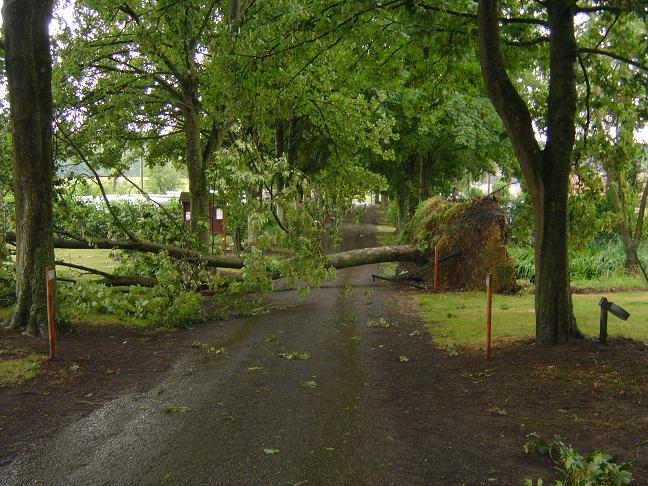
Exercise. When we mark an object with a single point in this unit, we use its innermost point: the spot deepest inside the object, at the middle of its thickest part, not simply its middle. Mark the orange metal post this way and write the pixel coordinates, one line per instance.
(49, 281)
(489, 311)
(436, 268)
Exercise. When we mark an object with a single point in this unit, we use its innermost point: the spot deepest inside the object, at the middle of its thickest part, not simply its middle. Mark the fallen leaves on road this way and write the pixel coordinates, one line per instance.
(294, 355)
(207, 347)
(176, 409)
(380, 323)
(497, 411)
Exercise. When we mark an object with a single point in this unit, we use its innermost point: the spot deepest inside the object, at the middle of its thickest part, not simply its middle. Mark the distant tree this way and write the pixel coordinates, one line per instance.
(162, 179)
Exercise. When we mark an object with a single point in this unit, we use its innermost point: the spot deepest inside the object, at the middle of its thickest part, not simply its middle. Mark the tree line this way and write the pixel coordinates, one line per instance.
(290, 109)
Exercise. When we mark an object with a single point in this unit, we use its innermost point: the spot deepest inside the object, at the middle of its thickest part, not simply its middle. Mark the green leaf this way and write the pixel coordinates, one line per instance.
(294, 355)
(176, 409)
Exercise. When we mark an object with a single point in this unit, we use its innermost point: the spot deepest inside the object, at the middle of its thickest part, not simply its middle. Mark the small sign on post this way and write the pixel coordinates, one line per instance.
(616, 310)
(50, 277)
(489, 311)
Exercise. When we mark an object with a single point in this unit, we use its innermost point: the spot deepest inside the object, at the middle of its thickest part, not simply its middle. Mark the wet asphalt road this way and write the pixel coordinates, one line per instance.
(248, 419)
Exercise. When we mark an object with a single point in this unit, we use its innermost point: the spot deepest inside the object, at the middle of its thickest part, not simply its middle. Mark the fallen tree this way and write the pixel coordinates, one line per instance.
(345, 259)
(471, 240)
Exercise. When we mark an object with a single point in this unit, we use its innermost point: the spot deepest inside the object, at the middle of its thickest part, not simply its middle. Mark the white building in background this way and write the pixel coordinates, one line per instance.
(158, 198)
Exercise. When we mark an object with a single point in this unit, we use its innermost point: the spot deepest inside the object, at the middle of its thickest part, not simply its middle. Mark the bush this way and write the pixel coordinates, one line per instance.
(600, 259)
(7, 284)
(90, 218)
(162, 179)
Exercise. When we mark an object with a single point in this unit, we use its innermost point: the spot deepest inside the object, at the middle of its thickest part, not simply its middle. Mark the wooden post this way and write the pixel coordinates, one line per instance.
(603, 324)
(489, 311)
(436, 268)
(50, 276)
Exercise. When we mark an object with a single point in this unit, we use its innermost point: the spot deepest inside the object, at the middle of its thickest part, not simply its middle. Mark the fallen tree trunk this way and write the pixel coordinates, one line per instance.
(143, 246)
(378, 254)
(345, 259)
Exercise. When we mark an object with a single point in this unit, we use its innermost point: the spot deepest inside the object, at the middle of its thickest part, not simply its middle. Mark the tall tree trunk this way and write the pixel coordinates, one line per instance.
(401, 209)
(411, 185)
(425, 177)
(196, 172)
(553, 305)
(29, 76)
(630, 244)
(639, 226)
(545, 171)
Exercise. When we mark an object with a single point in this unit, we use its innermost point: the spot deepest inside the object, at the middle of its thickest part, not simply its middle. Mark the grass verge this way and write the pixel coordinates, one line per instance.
(14, 371)
(458, 319)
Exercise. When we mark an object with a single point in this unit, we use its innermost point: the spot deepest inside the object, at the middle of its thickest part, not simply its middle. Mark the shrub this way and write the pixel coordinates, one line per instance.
(600, 259)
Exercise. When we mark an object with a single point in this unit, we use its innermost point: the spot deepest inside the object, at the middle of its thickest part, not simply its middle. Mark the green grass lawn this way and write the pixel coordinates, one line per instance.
(98, 259)
(458, 319)
(613, 281)
(18, 370)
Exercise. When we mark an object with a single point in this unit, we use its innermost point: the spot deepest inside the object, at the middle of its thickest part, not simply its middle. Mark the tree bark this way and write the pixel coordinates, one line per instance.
(630, 244)
(29, 74)
(545, 171)
(199, 199)
(401, 209)
(425, 177)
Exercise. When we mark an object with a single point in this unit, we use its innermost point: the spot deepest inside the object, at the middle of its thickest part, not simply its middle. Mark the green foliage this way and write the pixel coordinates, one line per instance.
(162, 179)
(524, 259)
(598, 260)
(597, 469)
(153, 305)
(520, 215)
(7, 283)
(173, 302)
(91, 218)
